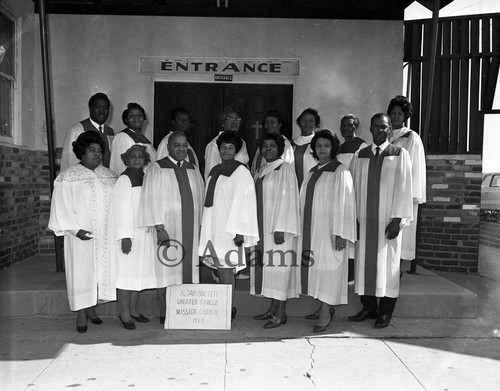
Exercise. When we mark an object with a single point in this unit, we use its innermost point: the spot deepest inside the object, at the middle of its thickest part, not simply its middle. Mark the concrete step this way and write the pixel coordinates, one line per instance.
(33, 288)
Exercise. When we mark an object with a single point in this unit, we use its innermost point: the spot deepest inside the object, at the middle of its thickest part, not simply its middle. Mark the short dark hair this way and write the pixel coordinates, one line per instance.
(84, 140)
(381, 115)
(229, 137)
(178, 110)
(400, 100)
(131, 106)
(141, 148)
(274, 114)
(97, 96)
(325, 133)
(354, 118)
(277, 138)
(310, 110)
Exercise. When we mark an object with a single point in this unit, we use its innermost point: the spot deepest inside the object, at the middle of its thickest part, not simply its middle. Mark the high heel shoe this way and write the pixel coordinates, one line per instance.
(265, 316)
(275, 322)
(130, 325)
(233, 313)
(95, 320)
(315, 315)
(81, 329)
(141, 318)
(319, 329)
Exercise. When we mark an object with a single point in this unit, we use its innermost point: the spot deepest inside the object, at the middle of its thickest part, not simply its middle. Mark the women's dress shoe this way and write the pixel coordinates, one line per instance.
(315, 315)
(81, 329)
(319, 329)
(265, 316)
(275, 322)
(382, 321)
(130, 325)
(363, 315)
(162, 319)
(95, 320)
(141, 318)
(233, 313)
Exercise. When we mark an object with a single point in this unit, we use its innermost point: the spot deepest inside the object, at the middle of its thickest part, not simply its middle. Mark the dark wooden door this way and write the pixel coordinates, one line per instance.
(206, 100)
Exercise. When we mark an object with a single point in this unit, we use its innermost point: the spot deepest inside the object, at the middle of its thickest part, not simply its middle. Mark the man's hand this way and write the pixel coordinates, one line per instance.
(126, 245)
(340, 243)
(163, 237)
(238, 240)
(392, 230)
(84, 235)
(279, 237)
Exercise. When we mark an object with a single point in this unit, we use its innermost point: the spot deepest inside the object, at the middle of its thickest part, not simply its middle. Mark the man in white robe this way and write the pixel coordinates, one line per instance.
(81, 201)
(383, 186)
(98, 114)
(181, 122)
(172, 202)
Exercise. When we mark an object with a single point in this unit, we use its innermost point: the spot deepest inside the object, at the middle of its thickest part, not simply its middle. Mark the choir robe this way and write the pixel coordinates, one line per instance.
(212, 155)
(135, 271)
(258, 159)
(327, 209)
(68, 157)
(163, 151)
(173, 196)
(411, 141)
(272, 275)
(81, 200)
(233, 211)
(348, 149)
(122, 142)
(303, 158)
(383, 191)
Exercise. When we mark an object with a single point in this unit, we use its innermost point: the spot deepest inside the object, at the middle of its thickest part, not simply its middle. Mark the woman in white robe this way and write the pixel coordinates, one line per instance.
(328, 222)
(229, 222)
(134, 117)
(279, 225)
(132, 248)
(79, 212)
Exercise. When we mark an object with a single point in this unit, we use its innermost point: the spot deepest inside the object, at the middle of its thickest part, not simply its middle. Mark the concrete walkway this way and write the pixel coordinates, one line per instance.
(46, 353)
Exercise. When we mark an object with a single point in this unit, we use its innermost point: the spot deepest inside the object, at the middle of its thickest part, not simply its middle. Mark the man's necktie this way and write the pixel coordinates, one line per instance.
(179, 163)
(100, 128)
(377, 151)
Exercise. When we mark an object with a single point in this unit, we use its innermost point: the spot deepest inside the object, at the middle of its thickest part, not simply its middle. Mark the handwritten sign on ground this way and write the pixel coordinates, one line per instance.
(199, 306)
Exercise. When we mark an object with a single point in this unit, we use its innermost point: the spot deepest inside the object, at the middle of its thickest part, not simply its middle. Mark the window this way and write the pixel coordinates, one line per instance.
(7, 73)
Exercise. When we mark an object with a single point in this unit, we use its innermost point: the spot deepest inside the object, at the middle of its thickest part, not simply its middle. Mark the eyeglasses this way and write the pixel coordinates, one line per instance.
(231, 119)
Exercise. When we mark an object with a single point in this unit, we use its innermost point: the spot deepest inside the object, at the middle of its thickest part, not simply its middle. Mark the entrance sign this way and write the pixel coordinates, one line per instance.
(199, 306)
(219, 66)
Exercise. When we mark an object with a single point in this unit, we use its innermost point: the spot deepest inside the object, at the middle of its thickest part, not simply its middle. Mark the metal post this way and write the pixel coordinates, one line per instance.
(48, 119)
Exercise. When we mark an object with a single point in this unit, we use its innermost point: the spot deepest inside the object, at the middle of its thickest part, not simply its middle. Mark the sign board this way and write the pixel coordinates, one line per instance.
(219, 66)
(199, 306)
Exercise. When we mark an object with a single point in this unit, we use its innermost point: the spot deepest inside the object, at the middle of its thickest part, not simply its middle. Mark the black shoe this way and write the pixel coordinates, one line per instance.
(315, 315)
(382, 321)
(233, 313)
(141, 318)
(275, 322)
(363, 315)
(81, 329)
(265, 316)
(95, 320)
(162, 319)
(319, 329)
(130, 325)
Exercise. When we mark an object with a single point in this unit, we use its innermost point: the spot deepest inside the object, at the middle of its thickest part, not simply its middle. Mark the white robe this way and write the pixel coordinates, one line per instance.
(121, 143)
(234, 211)
(212, 155)
(411, 141)
(280, 213)
(304, 160)
(81, 200)
(287, 156)
(161, 203)
(333, 214)
(162, 151)
(136, 270)
(377, 273)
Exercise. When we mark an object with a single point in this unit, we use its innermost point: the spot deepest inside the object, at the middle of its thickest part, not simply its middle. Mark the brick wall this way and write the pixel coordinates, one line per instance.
(24, 204)
(490, 234)
(448, 234)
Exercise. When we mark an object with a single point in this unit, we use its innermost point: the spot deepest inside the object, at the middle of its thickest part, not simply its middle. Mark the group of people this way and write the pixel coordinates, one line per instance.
(136, 218)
